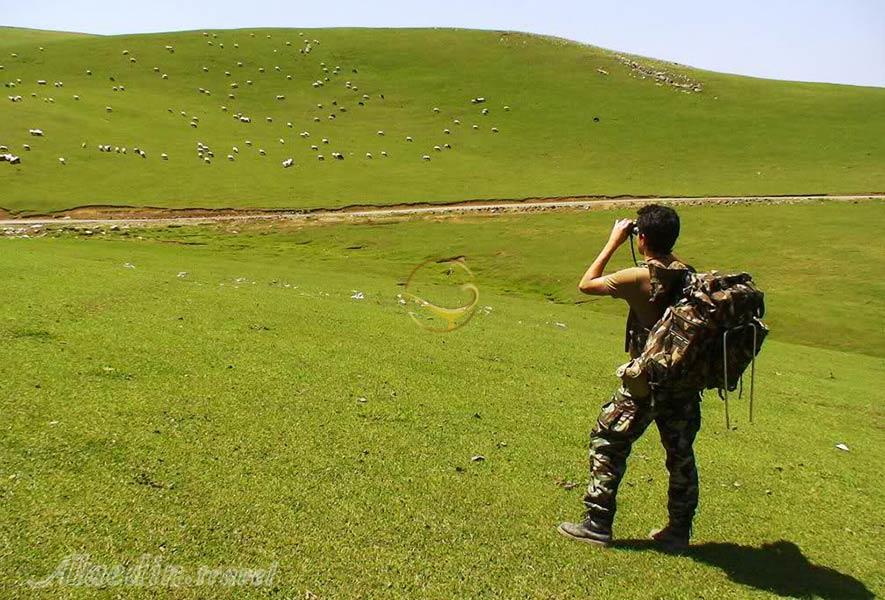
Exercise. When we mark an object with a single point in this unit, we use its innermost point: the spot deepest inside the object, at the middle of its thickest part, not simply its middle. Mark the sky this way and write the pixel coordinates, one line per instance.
(837, 41)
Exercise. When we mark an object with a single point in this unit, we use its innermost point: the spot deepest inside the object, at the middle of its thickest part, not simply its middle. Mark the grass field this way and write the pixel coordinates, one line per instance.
(215, 418)
(738, 136)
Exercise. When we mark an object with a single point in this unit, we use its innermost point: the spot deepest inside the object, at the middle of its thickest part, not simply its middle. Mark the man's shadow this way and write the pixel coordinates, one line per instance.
(779, 568)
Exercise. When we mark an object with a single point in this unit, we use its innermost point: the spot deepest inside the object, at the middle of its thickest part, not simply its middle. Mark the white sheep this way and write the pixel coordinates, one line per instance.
(409, 138)
(236, 150)
(164, 156)
(437, 148)
(425, 157)
(230, 157)
(494, 130)
(261, 151)
(384, 153)
(282, 141)
(320, 157)
(314, 147)
(61, 160)
(288, 163)
(368, 155)
(36, 132)
(325, 140)
(381, 133)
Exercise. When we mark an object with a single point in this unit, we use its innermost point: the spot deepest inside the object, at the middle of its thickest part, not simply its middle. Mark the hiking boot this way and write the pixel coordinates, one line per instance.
(586, 532)
(671, 539)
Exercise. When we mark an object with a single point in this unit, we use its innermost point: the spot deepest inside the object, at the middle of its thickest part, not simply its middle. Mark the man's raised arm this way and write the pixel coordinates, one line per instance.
(593, 282)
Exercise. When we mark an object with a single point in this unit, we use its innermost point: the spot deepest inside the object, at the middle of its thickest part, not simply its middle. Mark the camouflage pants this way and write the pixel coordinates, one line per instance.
(621, 422)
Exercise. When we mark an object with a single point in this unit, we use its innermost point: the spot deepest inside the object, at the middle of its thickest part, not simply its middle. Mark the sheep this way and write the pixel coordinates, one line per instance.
(193, 124)
(437, 148)
(231, 97)
(239, 64)
(368, 155)
(164, 156)
(381, 133)
(248, 82)
(41, 82)
(132, 60)
(494, 130)
(268, 119)
(76, 97)
(338, 156)
(261, 69)
(61, 159)
(261, 151)
(207, 160)
(447, 146)
(435, 109)
(223, 109)
(236, 150)
(141, 153)
(36, 132)
(227, 73)
(27, 147)
(457, 122)
(280, 97)
(305, 134)
(325, 140)
(248, 142)
(282, 141)
(289, 124)
(183, 114)
(316, 119)
(83, 145)
(485, 111)
(89, 71)
(479, 100)
(288, 163)
(320, 157)
(409, 138)
(507, 108)
(289, 77)
(234, 85)
(384, 153)
(314, 147)
(230, 157)
(331, 117)
(164, 76)
(425, 157)
(476, 126)
(446, 131)
(245, 119)
(170, 49)
(125, 52)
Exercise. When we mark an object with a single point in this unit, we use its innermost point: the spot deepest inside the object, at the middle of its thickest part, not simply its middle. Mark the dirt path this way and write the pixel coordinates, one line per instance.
(156, 216)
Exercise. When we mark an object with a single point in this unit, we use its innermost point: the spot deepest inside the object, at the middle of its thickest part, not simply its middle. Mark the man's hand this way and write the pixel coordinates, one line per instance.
(621, 231)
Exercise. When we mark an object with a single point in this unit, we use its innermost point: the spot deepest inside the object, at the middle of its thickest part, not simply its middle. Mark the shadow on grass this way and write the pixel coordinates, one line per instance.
(779, 568)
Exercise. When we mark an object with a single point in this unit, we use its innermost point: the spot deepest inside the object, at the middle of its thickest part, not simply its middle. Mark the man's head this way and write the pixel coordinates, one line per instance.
(658, 228)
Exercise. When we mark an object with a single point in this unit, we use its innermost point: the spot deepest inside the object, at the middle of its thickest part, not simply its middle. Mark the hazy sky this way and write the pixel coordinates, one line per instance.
(841, 41)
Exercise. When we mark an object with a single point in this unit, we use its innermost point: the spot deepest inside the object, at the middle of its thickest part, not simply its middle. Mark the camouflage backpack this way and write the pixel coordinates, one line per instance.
(709, 334)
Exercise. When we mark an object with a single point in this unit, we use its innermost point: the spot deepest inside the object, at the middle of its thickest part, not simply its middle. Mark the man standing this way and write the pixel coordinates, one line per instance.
(648, 290)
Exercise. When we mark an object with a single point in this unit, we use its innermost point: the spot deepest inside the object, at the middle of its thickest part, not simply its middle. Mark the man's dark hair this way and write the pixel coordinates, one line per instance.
(660, 226)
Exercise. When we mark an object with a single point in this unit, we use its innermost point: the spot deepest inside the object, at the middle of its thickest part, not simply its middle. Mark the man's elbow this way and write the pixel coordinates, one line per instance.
(594, 287)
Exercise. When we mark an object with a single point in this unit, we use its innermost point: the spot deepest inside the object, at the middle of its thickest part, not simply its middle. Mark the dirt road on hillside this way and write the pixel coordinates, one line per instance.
(106, 215)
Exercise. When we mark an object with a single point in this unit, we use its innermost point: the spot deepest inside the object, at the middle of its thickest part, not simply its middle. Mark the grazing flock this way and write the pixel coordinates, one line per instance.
(328, 76)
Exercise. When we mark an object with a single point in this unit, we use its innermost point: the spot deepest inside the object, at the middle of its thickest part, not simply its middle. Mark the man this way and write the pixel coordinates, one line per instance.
(648, 290)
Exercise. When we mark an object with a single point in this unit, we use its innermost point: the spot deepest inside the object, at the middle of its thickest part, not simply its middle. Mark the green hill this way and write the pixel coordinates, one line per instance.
(583, 121)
